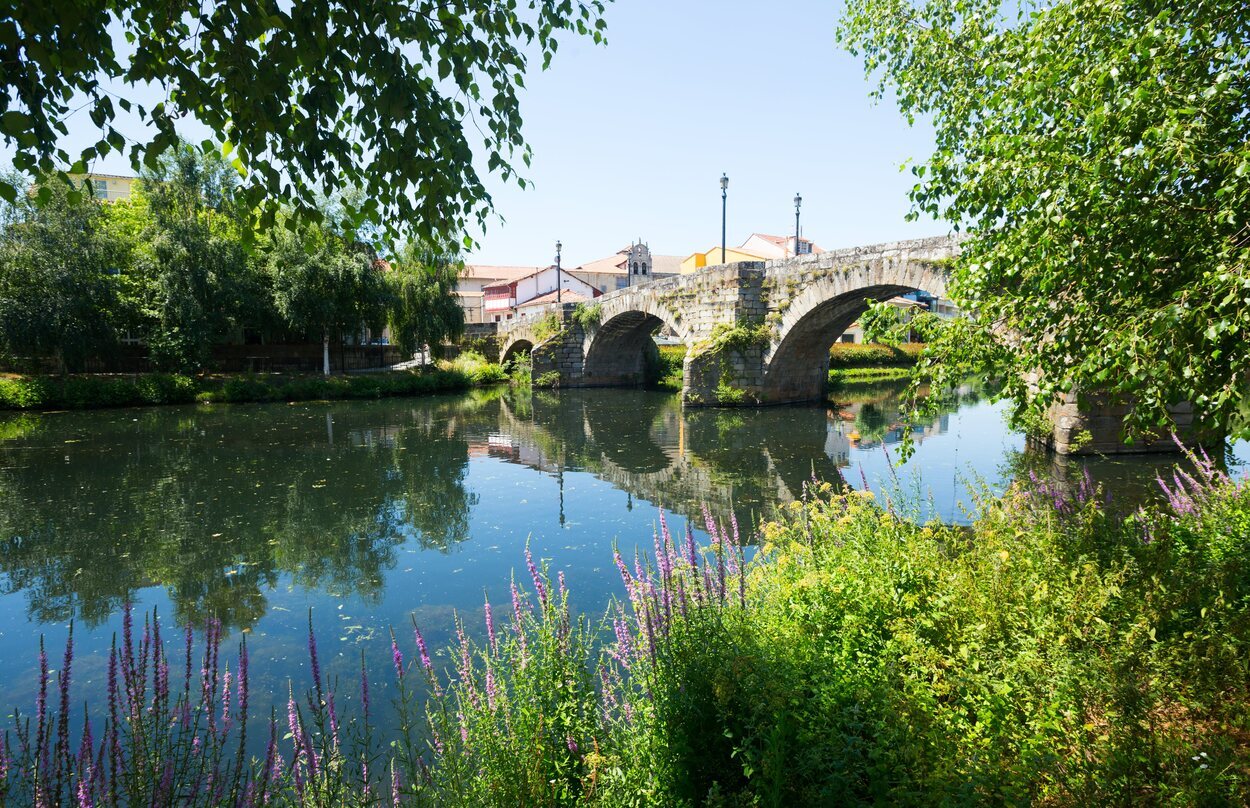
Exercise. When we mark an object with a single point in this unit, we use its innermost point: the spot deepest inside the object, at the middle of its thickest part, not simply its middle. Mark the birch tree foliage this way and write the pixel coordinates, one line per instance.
(307, 98)
(1095, 152)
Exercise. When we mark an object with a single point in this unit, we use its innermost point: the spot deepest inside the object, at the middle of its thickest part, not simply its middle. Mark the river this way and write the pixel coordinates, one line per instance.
(366, 512)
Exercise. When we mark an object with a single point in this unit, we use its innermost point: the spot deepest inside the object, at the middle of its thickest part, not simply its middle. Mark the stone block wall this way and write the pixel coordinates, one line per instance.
(1097, 427)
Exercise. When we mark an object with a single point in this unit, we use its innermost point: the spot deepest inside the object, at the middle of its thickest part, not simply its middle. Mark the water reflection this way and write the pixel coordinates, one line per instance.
(222, 507)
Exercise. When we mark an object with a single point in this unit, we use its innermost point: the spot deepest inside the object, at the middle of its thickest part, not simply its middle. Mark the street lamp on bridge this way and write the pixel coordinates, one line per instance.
(559, 285)
(724, 188)
(798, 200)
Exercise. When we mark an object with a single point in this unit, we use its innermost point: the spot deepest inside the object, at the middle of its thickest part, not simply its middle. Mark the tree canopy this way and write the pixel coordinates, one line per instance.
(168, 267)
(1097, 153)
(425, 310)
(306, 98)
(57, 294)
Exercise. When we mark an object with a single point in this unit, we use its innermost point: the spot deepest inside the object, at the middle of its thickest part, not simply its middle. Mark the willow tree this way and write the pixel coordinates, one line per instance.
(308, 98)
(325, 284)
(1097, 153)
(424, 308)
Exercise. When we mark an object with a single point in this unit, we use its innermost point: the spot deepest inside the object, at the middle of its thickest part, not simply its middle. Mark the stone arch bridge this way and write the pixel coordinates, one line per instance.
(755, 332)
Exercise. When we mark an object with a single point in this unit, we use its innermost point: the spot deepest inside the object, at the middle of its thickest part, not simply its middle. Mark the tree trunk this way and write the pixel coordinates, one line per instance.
(325, 353)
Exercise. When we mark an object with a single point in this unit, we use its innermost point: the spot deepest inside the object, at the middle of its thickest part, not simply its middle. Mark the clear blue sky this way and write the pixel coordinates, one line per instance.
(630, 139)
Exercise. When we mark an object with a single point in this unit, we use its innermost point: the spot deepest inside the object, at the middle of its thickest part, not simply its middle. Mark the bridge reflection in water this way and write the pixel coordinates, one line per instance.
(747, 461)
(220, 506)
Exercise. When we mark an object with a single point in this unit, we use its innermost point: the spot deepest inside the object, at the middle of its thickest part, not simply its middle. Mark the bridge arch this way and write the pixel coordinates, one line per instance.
(517, 346)
(618, 347)
(796, 366)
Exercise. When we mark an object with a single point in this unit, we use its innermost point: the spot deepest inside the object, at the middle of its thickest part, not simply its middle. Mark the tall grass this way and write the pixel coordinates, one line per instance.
(1050, 653)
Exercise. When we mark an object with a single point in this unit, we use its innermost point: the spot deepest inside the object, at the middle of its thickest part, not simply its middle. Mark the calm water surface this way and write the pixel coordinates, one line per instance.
(367, 512)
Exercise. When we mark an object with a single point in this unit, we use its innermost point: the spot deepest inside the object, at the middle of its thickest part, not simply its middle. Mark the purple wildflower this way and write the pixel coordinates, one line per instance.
(364, 686)
(539, 587)
(425, 653)
(334, 719)
(62, 732)
(312, 656)
(225, 699)
(519, 623)
(490, 628)
(397, 657)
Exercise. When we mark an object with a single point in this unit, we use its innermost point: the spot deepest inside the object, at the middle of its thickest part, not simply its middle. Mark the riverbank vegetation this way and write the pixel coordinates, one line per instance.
(667, 375)
(1049, 653)
(1094, 155)
(96, 391)
(164, 276)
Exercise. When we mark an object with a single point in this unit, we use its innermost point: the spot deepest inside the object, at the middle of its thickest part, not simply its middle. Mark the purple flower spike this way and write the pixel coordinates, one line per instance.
(539, 588)
(490, 627)
(425, 653)
(397, 657)
(364, 686)
(519, 623)
(312, 657)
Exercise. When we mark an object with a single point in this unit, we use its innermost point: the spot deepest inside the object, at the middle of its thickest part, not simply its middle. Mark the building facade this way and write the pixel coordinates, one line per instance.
(757, 247)
(509, 299)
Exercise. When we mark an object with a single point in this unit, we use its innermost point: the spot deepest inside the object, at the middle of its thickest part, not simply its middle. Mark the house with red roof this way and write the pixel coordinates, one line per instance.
(509, 299)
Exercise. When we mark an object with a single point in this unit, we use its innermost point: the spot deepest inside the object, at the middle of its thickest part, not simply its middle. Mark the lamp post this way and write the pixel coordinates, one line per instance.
(724, 187)
(798, 200)
(559, 298)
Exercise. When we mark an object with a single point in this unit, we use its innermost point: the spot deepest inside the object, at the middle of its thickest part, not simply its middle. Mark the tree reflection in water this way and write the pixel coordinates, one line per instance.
(215, 504)
(219, 506)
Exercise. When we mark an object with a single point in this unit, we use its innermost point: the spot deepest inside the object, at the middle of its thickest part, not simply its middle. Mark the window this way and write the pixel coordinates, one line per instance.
(621, 283)
(848, 337)
(634, 268)
(644, 267)
(603, 287)
(497, 318)
(101, 188)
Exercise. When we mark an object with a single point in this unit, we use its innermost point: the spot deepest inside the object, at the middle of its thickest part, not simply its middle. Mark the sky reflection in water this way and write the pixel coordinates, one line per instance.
(366, 512)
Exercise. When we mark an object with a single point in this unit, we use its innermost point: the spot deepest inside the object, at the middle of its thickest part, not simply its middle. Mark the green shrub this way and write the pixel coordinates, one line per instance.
(854, 354)
(247, 388)
(549, 380)
(587, 316)
(668, 373)
(85, 392)
(474, 367)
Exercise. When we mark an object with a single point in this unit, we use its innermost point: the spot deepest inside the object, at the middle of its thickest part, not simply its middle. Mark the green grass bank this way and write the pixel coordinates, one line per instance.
(96, 391)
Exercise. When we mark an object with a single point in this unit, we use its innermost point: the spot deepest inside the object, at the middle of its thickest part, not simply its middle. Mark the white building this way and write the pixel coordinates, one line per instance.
(505, 300)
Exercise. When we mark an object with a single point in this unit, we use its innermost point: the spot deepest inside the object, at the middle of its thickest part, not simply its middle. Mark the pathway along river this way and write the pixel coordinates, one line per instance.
(366, 512)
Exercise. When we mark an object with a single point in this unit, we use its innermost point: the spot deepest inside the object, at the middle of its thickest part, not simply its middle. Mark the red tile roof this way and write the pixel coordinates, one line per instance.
(569, 296)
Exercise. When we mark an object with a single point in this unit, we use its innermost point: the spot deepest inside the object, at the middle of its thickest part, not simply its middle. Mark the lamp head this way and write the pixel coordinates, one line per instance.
(724, 181)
